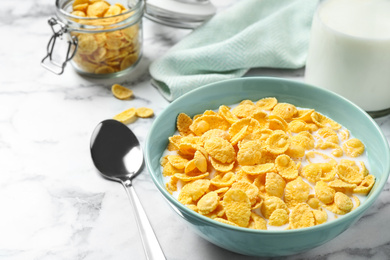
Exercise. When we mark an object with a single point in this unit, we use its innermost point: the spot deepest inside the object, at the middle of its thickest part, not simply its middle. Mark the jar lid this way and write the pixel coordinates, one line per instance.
(187, 14)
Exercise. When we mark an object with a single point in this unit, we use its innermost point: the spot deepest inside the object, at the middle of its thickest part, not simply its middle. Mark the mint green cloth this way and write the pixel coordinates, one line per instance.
(249, 34)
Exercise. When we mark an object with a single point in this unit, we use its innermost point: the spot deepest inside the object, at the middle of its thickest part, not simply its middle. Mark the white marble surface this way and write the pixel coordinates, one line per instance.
(53, 203)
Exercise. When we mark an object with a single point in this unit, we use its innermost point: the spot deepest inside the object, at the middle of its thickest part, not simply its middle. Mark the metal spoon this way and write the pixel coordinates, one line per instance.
(118, 156)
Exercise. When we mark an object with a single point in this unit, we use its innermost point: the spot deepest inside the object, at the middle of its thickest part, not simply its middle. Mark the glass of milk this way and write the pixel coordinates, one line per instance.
(349, 52)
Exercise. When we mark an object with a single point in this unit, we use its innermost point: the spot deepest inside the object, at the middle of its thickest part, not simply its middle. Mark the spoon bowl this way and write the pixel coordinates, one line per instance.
(117, 154)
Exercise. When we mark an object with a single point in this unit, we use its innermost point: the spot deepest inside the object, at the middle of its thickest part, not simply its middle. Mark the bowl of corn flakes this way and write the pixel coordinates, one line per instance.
(265, 166)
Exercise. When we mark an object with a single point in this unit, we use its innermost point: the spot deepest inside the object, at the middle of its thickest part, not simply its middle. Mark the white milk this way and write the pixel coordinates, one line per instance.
(349, 51)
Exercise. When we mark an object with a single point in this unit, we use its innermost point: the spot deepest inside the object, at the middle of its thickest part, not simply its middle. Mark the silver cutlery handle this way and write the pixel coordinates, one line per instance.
(150, 243)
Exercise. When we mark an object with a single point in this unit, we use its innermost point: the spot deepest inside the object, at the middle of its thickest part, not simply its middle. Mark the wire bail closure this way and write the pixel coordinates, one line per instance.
(59, 29)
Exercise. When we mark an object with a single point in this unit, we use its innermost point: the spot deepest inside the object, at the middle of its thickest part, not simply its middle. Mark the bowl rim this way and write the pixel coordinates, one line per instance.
(179, 208)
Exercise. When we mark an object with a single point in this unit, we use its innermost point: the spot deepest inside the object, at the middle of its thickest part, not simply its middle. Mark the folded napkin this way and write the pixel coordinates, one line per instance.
(249, 34)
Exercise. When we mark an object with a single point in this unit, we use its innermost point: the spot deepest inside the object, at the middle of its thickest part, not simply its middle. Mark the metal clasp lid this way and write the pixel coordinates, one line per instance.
(59, 29)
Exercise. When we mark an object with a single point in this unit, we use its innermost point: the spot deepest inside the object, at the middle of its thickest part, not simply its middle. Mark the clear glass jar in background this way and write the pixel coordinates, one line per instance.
(105, 37)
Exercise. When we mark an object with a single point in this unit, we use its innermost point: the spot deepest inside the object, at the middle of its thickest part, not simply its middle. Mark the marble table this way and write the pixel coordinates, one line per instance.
(53, 203)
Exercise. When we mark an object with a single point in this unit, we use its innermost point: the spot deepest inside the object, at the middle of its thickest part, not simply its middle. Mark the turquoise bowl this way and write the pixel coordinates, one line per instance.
(258, 242)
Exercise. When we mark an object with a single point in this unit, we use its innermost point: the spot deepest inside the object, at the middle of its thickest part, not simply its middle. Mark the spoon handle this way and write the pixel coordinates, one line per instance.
(151, 245)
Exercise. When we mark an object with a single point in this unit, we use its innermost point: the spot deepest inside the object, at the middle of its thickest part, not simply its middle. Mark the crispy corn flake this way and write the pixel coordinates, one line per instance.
(200, 161)
(353, 147)
(121, 92)
(320, 216)
(257, 222)
(192, 191)
(296, 191)
(220, 149)
(246, 109)
(239, 136)
(251, 190)
(250, 123)
(177, 161)
(187, 178)
(249, 153)
(267, 103)
(174, 142)
(222, 220)
(206, 122)
(208, 203)
(278, 142)
(183, 122)
(221, 167)
(286, 167)
(144, 112)
(225, 112)
(349, 174)
(366, 185)
(339, 185)
(285, 110)
(188, 148)
(313, 202)
(278, 218)
(274, 184)
(297, 126)
(223, 179)
(324, 193)
(343, 202)
(315, 172)
(214, 133)
(301, 216)
(270, 204)
(237, 206)
(304, 115)
(126, 117)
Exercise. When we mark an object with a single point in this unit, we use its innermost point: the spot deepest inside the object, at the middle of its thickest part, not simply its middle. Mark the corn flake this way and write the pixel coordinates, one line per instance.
(237, 206)
(278, 218)
(301, 216)
(208, 203)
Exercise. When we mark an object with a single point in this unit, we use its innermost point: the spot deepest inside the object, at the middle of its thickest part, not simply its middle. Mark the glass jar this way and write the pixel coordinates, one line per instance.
(104, 39)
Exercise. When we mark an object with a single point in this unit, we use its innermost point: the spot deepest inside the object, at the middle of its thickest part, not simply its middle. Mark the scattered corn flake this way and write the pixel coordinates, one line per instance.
(320, 216)
(296, 191)
(187, 178)
(270, 204)
(206, 122)
(225, 112)
(208, 203)
(353, 147)
(221, 167)
(183, 122)
(223, 179)
(349, 174)
(214, 133)
(366, 185)
(324, 193)
(285, 110)
(126, 117)
(144, 112)
(237, 206)
(257, 222)
(279, 217)
(249, 153)
(286, 167)
(192, 191)
(121, 92)
(222, 220)
(220, 149)
(277, 142)
(267, 103)
(274, 184)
(343, 202)
(250, 189)
(200, 161)
(339, 185)
(301, 216)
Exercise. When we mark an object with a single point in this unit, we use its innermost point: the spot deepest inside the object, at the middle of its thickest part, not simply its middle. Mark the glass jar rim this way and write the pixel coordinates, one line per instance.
(71, 20)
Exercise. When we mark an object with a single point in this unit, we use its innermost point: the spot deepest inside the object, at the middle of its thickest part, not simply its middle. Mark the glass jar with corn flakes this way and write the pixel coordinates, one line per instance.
(104, 37)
